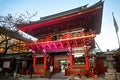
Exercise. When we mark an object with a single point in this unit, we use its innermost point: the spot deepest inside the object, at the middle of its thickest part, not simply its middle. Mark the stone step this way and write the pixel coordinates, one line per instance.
(59, 75)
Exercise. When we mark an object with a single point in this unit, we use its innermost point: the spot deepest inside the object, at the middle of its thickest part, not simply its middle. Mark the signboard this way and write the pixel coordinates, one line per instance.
(6, 64)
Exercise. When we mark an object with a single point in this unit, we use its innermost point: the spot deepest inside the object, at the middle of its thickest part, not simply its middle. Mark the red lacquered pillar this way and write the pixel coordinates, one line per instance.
(87, 62)
(71, 58)
(86, 59)
(34, 58)
(45, 60)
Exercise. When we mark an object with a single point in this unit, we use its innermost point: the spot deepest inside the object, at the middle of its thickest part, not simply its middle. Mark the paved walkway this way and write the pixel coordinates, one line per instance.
(36, 77)
(83, 78)
(57, 76)
(60, 79)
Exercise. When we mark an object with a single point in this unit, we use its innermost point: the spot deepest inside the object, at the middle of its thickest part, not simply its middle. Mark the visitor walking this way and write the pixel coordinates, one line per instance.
(31, 70)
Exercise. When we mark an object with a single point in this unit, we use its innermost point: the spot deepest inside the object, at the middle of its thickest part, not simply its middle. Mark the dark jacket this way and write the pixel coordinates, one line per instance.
(31, 68)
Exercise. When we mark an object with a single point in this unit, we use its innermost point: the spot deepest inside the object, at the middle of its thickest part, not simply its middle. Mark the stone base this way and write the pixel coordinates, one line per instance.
(112, 76)
(111, 70)
(118, 76)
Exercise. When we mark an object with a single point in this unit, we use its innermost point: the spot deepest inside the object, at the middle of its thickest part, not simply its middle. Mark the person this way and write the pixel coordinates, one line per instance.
(51, 68)
(0, 69)
(19, 67)
(31, 70)
(24, 67)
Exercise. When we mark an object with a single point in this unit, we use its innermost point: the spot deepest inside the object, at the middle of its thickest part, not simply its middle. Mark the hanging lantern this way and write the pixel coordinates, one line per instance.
(1, 50)
(70, 49)
(45, 52)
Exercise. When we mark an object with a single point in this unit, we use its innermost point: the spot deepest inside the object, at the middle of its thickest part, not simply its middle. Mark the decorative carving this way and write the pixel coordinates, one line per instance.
(62, 44)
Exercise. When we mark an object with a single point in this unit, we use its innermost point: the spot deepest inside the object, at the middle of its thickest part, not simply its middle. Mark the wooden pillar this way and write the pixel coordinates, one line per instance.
(45, 60)
(86, 59)
(34, 58)
(87, 62)
(51, 60)
(71, 58)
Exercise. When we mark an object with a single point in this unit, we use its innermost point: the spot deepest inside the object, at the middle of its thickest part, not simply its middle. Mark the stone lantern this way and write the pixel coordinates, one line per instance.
(111, 71)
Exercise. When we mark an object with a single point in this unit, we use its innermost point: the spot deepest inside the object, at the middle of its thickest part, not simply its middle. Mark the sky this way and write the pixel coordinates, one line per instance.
(107, 39)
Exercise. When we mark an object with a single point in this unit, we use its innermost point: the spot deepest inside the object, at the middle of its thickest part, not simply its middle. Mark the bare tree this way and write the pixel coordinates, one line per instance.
(10, 22)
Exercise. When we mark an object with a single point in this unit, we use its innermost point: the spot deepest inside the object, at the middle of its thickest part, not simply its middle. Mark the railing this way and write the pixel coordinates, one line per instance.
(79, 69)
(39, 69)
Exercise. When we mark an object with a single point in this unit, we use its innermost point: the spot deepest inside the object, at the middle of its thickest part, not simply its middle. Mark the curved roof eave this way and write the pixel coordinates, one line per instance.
(47, 19)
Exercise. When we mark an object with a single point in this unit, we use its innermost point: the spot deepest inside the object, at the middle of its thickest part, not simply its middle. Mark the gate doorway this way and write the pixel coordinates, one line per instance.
(60, 61)
(64, 64)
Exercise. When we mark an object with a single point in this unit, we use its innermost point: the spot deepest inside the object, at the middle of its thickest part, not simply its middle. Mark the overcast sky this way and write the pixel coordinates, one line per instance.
(107, 38)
